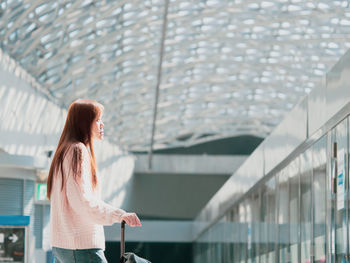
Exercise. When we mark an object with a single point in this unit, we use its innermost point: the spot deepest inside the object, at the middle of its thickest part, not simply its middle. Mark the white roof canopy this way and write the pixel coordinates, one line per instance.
(191, 71)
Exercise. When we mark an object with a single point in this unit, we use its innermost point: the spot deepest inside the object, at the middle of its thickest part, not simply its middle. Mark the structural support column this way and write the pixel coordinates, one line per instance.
(159, 78)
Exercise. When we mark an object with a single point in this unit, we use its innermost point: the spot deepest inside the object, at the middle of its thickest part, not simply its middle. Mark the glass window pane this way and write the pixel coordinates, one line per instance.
(263, 225)
(228, 239)
(243, 231)
(267, 223)
(319, 161)
(340, 136)
(293, 172)
(283, 216)
(253, 211)
(236, 235)
(271, 220)
(305, 205)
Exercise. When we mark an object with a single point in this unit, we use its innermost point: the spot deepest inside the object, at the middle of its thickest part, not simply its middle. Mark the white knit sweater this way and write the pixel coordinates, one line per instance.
(77, 212)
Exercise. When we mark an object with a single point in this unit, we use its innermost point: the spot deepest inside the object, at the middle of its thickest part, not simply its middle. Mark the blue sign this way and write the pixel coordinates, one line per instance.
(340, 179)
(14, 220)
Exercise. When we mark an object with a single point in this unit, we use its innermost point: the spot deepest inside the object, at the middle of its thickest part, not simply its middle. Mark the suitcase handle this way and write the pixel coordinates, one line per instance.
(122, 242)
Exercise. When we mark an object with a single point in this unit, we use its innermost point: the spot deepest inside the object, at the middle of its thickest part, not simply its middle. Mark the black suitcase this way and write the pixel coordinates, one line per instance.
(128, 257)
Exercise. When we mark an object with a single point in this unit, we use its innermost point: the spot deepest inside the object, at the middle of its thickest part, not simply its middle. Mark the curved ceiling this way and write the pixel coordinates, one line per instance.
(177, 73)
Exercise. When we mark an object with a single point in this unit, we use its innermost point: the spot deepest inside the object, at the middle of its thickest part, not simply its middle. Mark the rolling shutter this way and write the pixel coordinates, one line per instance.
(38, 226)
(11, 196)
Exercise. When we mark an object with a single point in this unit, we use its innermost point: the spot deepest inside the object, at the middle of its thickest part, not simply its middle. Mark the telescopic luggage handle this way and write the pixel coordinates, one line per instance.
(129, 257)
(122, 242)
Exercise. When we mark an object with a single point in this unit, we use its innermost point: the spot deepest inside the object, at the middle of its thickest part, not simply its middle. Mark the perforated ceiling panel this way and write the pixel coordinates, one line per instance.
(227, 67)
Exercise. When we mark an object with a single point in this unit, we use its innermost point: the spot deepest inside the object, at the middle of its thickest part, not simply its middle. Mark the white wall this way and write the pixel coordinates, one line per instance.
(29, 122)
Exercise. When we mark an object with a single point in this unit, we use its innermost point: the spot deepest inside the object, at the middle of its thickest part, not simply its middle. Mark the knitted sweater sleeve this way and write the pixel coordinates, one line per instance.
(82, 198)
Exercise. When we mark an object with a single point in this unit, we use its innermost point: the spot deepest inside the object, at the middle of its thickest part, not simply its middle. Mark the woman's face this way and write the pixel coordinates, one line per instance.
(97, 128)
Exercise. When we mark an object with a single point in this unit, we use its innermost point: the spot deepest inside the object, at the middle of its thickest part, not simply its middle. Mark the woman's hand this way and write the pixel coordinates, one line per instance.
(131, 219)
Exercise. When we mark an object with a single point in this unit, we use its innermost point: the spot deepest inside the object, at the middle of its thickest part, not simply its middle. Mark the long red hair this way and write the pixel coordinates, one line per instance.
(78, 128)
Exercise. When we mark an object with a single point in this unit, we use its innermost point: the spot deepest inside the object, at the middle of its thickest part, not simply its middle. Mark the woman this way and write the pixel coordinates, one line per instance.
(77, 211)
